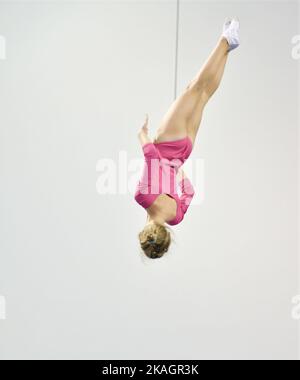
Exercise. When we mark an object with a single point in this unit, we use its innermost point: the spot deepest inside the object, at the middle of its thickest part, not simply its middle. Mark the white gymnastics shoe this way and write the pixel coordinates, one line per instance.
(231, 33)
(226, 24)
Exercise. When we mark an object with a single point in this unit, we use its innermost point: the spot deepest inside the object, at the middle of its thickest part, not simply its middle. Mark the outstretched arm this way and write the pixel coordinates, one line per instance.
(187, 190)
(143, 133)
(150, 152)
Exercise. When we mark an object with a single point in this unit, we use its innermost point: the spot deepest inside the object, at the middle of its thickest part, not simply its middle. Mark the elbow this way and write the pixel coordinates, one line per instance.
(192, 196)
(191, 192)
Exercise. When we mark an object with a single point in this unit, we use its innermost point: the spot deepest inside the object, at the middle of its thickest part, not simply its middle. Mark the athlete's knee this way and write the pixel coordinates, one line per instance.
(198, 88)
(202, 93)
(194, 86)
(208, 92)
(205, 86)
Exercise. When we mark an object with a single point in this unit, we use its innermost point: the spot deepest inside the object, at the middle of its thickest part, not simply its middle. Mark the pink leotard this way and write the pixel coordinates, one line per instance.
(162, 161)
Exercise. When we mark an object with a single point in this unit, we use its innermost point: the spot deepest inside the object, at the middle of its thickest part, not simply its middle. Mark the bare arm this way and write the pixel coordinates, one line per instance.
(143, 133)
(149, 149)
(186, 188)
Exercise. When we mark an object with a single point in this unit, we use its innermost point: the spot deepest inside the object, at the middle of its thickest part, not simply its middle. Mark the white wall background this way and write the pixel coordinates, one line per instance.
(77, 81)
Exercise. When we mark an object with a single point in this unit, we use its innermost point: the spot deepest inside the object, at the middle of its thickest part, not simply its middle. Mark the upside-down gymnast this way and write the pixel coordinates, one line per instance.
(164, 156)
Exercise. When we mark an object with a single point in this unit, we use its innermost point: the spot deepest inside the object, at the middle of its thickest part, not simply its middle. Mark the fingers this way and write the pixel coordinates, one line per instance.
(147, 119)
(145, 130)
(145, 126)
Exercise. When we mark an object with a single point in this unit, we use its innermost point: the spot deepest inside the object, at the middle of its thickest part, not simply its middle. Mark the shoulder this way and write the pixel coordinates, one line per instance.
(144, 198)
(150, 150)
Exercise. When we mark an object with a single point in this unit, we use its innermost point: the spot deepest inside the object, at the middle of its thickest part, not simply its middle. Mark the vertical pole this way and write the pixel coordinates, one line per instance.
(176, 50)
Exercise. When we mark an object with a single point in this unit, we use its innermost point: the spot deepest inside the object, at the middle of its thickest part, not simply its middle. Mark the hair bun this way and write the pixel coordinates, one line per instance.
(151, 240)
(155, 240)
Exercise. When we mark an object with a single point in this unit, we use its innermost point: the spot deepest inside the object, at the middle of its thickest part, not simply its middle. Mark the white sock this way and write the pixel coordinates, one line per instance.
(226, 25)
(231, 33)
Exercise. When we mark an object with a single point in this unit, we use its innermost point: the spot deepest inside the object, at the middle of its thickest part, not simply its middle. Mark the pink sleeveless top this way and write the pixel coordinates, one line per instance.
(162, 161)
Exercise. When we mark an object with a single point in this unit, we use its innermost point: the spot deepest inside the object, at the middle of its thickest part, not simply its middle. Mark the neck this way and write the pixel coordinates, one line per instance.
(155, 219)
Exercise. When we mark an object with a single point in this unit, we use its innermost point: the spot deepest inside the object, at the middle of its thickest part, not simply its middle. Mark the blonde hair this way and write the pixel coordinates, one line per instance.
(155, 240)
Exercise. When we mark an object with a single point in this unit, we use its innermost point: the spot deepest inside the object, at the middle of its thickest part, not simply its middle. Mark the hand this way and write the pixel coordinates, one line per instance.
(145, 129)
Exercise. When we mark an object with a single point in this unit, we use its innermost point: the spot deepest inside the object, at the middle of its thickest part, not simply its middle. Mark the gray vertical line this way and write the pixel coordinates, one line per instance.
(298, 122)
(298, 117)
(176, 50)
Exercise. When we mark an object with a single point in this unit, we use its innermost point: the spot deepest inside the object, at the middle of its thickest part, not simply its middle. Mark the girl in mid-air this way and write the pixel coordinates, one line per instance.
(157, 189)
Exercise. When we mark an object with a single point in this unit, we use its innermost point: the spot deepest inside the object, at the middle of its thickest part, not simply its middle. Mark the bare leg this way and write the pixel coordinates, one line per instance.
(185, 114)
